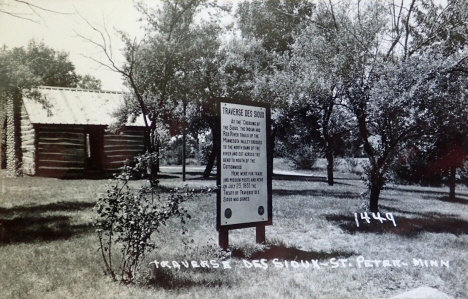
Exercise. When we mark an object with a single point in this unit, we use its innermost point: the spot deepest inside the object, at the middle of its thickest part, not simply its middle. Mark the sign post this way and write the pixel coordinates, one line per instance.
(245, 166)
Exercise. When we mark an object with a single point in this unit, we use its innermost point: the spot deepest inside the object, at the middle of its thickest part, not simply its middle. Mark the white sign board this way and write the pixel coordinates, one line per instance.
(244, 164)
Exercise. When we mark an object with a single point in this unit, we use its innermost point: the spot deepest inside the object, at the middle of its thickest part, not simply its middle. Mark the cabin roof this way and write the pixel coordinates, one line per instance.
(74, 106)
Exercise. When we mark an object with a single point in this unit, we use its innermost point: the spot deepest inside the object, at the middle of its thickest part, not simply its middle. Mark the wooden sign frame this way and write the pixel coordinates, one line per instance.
(260, 225)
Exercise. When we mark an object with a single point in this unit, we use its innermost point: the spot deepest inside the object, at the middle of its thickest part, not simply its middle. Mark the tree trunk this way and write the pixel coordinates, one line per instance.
(3, 145)
(13, 150)
(374, 197)
(376, 185)
(330, 161)
(212, 157)
(452, 182)
(184, 140)
(158, 155)
(3, 125)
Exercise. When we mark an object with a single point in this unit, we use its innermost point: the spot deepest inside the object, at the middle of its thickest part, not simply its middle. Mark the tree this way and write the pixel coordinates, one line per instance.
(398, 97)
(159, 69)
(88, 82)
(274, 22)
(446, 29)
(267, 30)
(314, 74)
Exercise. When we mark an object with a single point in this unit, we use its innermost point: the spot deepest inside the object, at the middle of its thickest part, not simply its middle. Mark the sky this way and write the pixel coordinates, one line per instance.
(59, 30)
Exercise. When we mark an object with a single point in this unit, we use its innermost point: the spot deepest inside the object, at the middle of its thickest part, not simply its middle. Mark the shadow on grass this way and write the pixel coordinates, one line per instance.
(455, 200)
(28, 224)
(282, 252)
(38, 229)
(422, 214)
(428, 192)
(170, 279)
(407, 227)
(316, 193)
(167, 176)
(52, 207)
(190, 176)
(309, 178)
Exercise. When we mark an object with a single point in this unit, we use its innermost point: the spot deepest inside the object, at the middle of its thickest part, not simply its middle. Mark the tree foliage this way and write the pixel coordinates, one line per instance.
(37, 64)
(399, 100)
(382, 71)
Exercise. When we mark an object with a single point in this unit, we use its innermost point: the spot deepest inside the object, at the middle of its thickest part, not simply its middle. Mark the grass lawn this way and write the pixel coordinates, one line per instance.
(48, 248)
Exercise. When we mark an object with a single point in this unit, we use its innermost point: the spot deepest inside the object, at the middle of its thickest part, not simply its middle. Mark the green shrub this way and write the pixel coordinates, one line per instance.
(303, 156)
(127, 219)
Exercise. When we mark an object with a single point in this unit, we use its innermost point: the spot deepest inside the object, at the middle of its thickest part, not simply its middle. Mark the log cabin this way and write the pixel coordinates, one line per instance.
(70, 136)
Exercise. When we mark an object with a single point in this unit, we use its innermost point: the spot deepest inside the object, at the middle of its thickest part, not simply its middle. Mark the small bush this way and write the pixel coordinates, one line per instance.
(303, 157)
(127, 219)
(352, 165)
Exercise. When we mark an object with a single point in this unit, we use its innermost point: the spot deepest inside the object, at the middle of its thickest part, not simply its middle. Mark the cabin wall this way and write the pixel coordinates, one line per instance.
(28, 146)
(60, 151)
(122, 146)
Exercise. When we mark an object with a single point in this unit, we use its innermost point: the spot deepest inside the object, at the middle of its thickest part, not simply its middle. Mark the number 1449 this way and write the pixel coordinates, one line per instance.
(375, 217)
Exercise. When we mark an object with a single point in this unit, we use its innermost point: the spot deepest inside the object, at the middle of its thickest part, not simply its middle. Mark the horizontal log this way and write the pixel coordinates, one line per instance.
(121, 151)
(126, 142)
(132, 133)
(135, 138)
(59, 132)
(77, 161)
(126, 132)
(60, 135)
(26, 126)
(124, 155)
(61, 150)
(28, 147)
(62, 139)
(113, 157)
(29, 141)
(59, 168)
(29, 171)
(123, 137)
(28, 159)
(118, 161)
(58, 156)
(59, 144)
(28, 133)
(124, 145)
(55, 148)
(60, 164)
(28, 152)
(76, 129)
(77, 136)
(129, 145)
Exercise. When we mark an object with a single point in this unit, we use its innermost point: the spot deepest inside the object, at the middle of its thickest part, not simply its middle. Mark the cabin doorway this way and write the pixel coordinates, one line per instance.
(94, 147)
